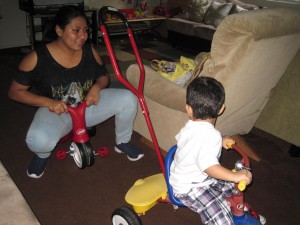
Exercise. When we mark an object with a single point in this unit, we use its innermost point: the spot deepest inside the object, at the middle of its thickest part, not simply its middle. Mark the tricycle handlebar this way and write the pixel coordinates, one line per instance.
(245, 159)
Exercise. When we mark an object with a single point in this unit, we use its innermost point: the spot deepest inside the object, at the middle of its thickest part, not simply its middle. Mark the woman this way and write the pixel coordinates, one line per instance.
(64, 72)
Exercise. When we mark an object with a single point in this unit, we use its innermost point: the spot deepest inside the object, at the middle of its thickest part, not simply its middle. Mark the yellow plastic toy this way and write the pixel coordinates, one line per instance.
(144, 194)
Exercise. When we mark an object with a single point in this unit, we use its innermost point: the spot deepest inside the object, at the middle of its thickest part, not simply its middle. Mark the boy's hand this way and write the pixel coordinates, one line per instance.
(227, 142)
(243, 175)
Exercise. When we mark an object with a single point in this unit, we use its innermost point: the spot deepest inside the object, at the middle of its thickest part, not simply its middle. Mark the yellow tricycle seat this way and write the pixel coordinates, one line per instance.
(145, 193)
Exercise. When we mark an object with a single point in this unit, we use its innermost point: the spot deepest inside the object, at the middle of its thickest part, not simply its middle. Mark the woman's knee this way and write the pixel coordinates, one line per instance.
(40, 142)
(130, 100)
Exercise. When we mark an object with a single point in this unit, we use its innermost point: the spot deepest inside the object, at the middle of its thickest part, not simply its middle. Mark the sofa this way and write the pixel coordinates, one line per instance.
(198, 20)
(14, 208)
(250, 52)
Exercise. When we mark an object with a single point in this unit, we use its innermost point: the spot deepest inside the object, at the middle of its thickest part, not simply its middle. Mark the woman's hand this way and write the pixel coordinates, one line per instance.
(92, 98)
(58, 107)
(20, 93)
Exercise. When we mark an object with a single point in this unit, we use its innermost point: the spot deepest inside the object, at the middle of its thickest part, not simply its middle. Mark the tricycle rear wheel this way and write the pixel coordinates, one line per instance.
(83, 154)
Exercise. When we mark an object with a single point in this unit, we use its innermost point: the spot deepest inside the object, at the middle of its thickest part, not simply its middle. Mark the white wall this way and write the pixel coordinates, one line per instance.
(13, 28)
(13, 31)
(12, 25)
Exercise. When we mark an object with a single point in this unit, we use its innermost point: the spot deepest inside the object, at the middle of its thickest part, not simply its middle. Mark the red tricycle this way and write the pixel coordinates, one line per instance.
(80, 148)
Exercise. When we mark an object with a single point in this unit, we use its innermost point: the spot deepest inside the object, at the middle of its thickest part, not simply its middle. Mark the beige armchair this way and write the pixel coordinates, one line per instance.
(13, 207)
(249, 54)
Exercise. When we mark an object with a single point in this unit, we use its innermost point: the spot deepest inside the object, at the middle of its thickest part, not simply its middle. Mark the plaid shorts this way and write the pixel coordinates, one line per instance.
(210, 202)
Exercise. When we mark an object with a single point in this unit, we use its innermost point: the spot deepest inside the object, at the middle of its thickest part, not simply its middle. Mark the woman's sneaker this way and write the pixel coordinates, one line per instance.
(37, 167)
(133, 154)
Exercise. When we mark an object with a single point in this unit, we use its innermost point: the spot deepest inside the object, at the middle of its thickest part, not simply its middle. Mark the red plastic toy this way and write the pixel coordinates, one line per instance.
(80, 148)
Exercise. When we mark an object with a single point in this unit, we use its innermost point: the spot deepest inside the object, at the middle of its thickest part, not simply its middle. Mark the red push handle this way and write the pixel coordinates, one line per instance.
(137, 91)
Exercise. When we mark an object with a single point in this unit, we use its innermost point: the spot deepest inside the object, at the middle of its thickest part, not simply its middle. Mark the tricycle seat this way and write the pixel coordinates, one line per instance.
(168, 161)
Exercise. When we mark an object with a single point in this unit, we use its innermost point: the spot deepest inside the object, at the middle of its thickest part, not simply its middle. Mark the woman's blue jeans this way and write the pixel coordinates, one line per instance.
(47, 128)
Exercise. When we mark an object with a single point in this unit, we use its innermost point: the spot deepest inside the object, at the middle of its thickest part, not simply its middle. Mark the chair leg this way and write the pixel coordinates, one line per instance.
(246, 147)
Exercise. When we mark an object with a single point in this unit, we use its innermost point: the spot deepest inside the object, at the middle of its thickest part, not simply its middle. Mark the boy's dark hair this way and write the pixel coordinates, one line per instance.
(62, 19)
(206, 96)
